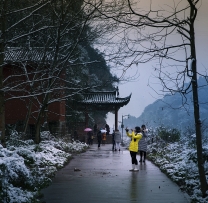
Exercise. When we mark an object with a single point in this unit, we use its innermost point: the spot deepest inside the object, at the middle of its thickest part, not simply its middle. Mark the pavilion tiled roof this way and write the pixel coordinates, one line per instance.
(19, 54)
(105, 97)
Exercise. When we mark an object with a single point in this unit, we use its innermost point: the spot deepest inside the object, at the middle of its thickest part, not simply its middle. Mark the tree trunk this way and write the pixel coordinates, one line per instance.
(37, 132)
(2, 105)
(2, 101)
(202, 175)
(39, 119)
(27, 117)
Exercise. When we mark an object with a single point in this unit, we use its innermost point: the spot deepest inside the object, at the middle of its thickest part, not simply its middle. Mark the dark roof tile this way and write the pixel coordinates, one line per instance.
(106, 97)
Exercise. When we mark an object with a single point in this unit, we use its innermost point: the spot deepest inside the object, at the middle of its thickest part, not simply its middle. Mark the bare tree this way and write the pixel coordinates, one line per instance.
(149, 35)
(44, 39)
(12, 15)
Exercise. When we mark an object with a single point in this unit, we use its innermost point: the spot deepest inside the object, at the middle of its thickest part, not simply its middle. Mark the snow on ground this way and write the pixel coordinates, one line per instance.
(179, 161)
(26, 167)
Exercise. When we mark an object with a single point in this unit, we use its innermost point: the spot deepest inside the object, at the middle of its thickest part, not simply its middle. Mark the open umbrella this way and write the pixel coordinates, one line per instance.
(103, 131)
(87, 129)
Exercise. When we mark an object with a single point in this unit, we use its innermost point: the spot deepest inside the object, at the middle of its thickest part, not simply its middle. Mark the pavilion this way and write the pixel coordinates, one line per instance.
(108, 100)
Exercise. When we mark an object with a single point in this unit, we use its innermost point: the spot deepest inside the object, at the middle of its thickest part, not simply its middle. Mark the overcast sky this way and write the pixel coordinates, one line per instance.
(142, 94)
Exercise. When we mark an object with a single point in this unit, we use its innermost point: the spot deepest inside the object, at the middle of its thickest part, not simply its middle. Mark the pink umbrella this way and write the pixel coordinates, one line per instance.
(87, 129)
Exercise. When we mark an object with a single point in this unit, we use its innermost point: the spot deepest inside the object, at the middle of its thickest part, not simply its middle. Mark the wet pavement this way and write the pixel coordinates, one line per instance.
(103, 176)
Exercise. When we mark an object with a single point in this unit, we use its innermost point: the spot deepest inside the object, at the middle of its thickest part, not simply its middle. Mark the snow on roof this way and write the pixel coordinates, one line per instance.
(19, 54)
(105, 97)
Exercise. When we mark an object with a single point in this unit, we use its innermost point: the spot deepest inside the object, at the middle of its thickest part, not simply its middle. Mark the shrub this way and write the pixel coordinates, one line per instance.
(168, 135)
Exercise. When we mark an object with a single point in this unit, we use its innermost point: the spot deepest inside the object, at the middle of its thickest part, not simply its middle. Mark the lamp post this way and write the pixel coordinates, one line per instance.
(122, 125)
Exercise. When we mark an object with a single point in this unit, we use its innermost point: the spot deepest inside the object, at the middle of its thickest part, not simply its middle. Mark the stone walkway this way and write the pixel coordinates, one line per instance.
(103, 176)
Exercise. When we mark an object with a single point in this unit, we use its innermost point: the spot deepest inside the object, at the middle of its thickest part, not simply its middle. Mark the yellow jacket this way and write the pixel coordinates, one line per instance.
(134, 141)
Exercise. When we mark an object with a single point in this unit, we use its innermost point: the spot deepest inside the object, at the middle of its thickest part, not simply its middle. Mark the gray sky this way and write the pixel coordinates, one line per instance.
(142, 94)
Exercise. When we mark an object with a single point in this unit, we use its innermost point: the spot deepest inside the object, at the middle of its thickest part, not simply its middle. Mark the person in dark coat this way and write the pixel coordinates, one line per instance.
(99, 138)
(89, 138)
(95, 129)
(107, 129)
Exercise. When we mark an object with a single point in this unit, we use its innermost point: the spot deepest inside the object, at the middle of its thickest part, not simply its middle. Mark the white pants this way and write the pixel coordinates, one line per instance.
(117, 145)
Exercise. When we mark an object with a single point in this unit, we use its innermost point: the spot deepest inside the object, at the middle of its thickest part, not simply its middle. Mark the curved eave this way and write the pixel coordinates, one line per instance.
(116, 101)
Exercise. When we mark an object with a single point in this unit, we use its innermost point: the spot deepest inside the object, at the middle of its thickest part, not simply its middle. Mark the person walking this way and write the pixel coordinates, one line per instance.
(92, 138)
(113, 141)
(95, 129)
(107, 127)
(117, 138)
(89, 137)
(99, 138)
(143, 144)
(135, 136)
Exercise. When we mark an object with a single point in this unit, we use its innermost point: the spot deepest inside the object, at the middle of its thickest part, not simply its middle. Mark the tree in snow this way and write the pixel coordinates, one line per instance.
(148, 35)
(44, 40)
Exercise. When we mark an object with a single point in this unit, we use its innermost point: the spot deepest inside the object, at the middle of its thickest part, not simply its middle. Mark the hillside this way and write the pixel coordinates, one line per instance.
(169, 111)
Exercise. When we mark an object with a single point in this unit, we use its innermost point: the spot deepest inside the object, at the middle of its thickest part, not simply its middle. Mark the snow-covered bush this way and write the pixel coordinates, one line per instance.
(14, 175)
(26, 167)
(179, 161)
(167, 134)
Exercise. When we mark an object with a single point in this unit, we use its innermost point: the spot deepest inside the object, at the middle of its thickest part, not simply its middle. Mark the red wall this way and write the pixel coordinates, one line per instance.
(16, 109)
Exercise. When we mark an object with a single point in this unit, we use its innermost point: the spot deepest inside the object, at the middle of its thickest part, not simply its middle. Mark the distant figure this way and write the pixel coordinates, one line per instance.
(117, 139)
(95, 129)
(135, 136)
(99, 138)
(107, 129)
(113, 141)
(143, 144)
(92, 138)
(89, 138)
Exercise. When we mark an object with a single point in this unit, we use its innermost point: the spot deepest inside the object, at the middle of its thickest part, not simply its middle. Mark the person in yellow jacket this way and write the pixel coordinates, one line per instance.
(135, 136)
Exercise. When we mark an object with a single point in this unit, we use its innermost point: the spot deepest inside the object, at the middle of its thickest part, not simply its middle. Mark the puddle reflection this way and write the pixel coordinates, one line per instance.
(133, 187)
(142, 166)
